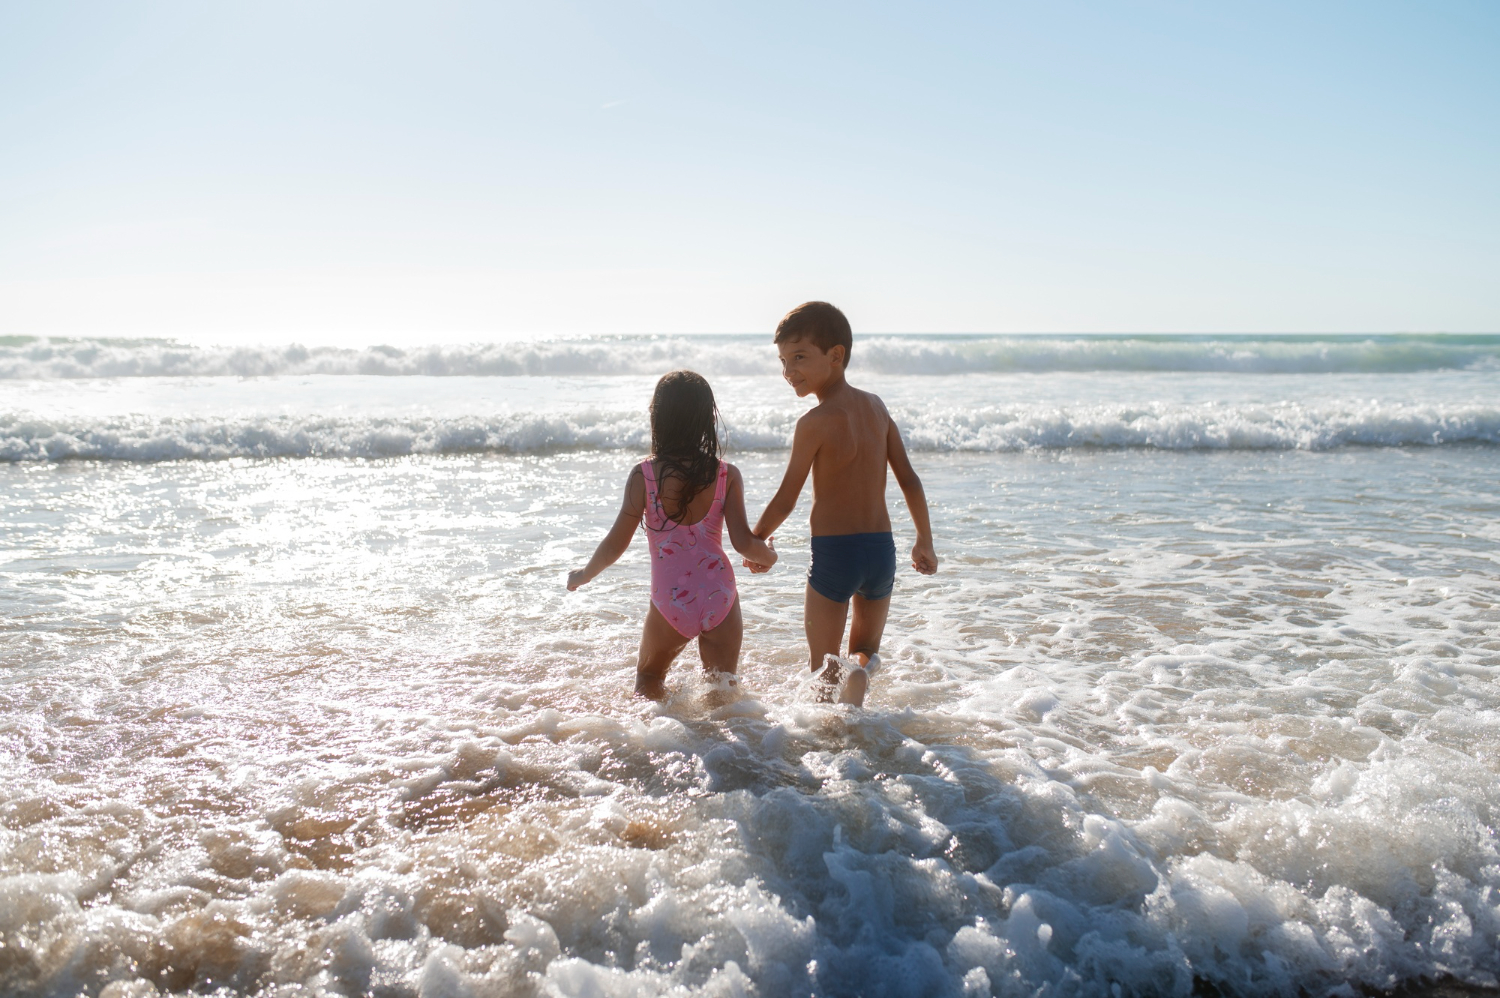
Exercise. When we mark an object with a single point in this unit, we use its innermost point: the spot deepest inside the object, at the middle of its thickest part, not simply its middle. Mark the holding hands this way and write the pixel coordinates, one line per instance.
(760, 561)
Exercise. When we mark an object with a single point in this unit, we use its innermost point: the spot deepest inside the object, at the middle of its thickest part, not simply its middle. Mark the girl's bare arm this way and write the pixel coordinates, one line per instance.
(756, 551)
(618, 539)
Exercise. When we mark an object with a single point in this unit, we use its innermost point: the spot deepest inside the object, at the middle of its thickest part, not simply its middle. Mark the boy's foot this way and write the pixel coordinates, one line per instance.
(826, 679)
(858, 683)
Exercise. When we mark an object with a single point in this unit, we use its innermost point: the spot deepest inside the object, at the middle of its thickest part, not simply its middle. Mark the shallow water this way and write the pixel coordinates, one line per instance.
(333, 725)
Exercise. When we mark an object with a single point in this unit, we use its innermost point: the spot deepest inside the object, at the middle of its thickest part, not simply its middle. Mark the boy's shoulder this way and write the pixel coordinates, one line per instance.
(872, 399)
(834, 413)
(820, 419)
(860, 401)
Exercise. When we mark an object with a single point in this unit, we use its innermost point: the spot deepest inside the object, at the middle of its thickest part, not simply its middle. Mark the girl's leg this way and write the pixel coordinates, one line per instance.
(720, 647)
(660, 644)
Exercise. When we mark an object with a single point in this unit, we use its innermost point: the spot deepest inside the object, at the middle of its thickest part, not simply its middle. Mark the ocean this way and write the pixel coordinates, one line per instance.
(1204, 698)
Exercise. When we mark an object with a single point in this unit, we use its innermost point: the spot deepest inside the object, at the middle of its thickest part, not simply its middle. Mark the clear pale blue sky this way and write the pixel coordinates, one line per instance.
(352, 172)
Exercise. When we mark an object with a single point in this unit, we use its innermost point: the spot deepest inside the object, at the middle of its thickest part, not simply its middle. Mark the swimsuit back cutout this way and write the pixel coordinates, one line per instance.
(692, 583)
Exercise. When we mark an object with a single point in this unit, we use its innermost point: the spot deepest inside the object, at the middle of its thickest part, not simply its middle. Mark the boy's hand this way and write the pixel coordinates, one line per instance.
(923, 557)
(576, 578)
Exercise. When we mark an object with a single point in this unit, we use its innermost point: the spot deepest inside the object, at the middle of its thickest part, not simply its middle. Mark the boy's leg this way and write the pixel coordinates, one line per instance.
(823, 621)
(864, 640)
(869, 625)
(720, 647)
(660, 644)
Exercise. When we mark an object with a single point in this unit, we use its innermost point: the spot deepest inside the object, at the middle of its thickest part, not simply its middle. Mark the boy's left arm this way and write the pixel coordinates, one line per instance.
(923, 557)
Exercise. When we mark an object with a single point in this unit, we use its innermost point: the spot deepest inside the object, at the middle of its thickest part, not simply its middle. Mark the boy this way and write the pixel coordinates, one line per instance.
(846, 441)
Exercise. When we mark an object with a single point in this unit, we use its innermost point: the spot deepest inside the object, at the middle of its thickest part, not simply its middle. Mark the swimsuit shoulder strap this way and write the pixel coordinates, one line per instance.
(649, 473)
(722, 485)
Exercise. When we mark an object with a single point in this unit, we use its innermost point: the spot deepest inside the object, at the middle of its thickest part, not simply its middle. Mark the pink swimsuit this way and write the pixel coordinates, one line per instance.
(691, 581)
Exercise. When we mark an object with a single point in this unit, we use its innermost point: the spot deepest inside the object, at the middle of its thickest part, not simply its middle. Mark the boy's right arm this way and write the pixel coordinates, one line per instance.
(804, 448)
(618, 539)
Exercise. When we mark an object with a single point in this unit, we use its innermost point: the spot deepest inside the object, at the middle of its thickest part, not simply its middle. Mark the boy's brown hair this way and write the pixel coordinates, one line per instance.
(820, 324)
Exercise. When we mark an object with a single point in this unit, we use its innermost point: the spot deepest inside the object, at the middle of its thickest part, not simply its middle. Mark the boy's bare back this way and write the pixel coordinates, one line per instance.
(850, 439)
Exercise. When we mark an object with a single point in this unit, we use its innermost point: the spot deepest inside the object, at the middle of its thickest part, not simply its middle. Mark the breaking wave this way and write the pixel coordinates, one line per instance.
(1160, 426)
(44, 358)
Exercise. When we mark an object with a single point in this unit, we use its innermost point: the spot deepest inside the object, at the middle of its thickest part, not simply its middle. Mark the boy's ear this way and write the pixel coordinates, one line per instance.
(837, 355)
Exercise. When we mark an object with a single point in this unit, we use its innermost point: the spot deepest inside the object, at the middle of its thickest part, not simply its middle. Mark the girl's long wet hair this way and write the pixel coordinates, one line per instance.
(684, 436)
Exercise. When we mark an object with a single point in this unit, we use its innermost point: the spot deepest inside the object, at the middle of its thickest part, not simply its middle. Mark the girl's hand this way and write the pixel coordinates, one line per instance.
(576, 578)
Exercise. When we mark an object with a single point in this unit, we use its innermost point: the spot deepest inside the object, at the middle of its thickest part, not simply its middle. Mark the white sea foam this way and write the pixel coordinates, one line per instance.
(1207, 426)
(24, 357)
(934, 428)
(147, 439)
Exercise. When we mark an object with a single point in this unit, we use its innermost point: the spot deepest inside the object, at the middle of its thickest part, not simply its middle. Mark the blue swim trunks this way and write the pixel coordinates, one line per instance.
(845, 564)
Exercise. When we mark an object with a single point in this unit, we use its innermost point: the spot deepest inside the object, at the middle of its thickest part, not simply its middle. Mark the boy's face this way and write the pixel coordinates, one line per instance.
(806, 367)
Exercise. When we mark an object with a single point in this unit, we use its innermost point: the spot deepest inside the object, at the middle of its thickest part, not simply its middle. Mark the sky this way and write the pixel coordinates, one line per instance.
(356, 172)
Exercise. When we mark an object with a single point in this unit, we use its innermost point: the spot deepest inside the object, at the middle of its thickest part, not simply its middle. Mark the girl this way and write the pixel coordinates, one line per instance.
(685, 494)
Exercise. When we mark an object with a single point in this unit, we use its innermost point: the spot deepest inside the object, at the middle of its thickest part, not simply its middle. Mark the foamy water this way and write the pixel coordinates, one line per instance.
(42, 357)
(293, 700)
